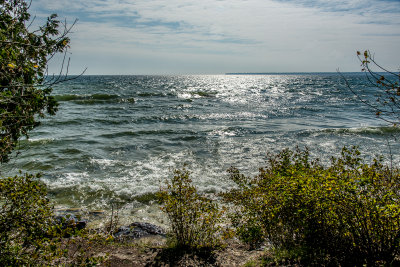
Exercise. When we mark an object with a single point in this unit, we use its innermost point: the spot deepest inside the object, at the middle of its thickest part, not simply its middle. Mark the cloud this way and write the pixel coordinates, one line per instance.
(261, 35)
(360, 7)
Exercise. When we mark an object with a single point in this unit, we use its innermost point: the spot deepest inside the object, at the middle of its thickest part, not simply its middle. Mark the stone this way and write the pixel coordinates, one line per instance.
(137, 230)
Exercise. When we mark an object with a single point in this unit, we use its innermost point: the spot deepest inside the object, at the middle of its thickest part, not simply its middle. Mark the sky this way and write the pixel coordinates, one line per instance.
(135, 37)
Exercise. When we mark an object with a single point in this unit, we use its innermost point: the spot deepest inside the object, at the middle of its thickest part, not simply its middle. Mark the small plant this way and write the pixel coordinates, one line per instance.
(112, 225)
(194, 218)
(345, 213)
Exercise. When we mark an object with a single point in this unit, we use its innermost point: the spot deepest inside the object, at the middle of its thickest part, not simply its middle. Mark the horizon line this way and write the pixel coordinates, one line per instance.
(227, 73)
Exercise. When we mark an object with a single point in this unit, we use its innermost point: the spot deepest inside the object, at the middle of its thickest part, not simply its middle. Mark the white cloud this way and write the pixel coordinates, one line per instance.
(209, 36)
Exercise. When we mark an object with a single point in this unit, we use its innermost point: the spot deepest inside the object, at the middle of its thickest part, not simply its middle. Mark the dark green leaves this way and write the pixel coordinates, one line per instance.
(24, 94)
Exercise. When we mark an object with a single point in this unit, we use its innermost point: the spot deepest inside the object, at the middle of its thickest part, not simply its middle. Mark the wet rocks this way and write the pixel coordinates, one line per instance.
(138, 230)
(71, 220)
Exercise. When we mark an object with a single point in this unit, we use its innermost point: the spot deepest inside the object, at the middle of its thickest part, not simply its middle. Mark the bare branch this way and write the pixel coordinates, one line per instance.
(387, 107)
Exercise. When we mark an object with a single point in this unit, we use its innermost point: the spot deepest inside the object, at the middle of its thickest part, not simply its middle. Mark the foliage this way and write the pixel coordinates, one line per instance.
(25, 220)
(194, 218)
(24, 54)
(387, 105)
(346, 213)
(29, 233)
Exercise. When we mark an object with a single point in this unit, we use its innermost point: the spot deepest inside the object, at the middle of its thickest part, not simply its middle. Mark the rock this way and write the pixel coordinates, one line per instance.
(149, 228)
(70, 221)
(137, 230)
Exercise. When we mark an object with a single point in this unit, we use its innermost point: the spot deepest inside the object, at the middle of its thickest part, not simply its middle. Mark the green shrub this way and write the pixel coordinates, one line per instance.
(29, 234)
(345, 213)
(194, 218)
(25, 220)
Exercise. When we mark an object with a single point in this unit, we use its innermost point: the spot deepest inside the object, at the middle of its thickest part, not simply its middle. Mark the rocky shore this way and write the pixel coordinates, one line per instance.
(145, 244)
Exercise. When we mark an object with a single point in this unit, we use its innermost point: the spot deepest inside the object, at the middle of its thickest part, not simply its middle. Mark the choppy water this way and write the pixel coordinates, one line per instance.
(116, 137)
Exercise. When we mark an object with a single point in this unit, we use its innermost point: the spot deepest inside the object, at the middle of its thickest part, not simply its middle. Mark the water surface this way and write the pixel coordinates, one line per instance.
(115, 138)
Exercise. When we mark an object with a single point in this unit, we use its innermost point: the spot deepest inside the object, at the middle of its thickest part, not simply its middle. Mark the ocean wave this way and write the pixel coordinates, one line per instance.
(380, 131)
(184, 118)
(204, 94)
(196, 94)
(38, 165)
(69, 122)
(31, 142)
(154, 94)
(93, 99)
(85, 97)
(105, 162)
(40, 140)
(188, 138)
(150, 132)
(167, 118)
(71, 151)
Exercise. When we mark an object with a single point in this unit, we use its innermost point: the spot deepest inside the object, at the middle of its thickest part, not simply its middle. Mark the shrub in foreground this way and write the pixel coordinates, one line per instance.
(29, 234)
(194, 219)
(347, 213)
(25, 220)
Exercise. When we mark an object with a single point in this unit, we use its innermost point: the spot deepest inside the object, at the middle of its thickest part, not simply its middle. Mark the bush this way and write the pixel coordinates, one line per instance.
(29, 233)
(194, 218)
(25, 220)
(346, 213)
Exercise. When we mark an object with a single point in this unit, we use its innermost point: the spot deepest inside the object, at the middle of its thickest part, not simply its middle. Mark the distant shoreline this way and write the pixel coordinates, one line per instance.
(228, 73)
(286, 73)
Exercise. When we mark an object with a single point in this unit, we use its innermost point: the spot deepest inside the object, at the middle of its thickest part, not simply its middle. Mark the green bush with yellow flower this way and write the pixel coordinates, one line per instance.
(344, 213)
